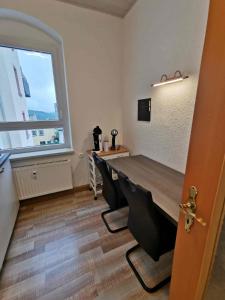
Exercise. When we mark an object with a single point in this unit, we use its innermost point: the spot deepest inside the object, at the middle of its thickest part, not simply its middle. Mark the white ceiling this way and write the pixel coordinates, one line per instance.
(117, 8)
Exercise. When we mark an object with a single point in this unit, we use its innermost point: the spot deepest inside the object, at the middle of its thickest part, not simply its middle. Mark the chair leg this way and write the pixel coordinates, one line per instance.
(107, 225)
(148, 289)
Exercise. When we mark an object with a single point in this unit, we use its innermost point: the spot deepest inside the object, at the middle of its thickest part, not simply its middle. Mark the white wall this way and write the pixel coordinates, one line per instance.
(162, 37)
(93, 57)
(157, 36)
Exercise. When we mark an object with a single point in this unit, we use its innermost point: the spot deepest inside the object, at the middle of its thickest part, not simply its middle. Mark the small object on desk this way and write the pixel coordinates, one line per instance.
(114, 133)
(97, 135)
(106, 144)
(95, 180)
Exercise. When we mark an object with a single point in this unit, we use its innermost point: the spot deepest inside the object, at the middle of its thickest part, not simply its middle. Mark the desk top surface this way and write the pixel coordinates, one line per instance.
(121, 149)
(164, 183)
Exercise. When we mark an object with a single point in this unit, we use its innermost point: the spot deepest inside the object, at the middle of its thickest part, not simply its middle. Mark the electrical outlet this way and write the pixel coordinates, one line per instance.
(81, 155)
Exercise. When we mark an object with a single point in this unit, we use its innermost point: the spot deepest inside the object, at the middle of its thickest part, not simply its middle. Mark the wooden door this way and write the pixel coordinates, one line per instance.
(205, 165)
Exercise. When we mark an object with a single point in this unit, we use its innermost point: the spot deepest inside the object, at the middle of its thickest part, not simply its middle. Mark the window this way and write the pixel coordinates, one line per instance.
(41, 132)
(33, 106)
(34, 132)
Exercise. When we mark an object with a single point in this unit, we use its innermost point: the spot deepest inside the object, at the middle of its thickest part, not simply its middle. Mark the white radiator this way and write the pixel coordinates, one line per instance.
(43, 178)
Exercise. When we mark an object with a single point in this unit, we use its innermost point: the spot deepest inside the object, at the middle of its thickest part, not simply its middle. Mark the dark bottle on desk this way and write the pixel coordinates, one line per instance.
(97, 138)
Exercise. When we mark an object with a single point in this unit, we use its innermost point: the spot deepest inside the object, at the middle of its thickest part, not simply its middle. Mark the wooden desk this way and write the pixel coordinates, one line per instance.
(111, 153)
(164, 183)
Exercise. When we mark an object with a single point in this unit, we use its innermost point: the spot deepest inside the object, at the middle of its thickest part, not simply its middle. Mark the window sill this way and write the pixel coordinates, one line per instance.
(46, 153)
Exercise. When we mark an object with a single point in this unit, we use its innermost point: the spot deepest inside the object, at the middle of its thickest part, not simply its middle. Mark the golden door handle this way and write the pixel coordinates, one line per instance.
(198, 219)
(191, 214)
(189, 209)
(187, 205)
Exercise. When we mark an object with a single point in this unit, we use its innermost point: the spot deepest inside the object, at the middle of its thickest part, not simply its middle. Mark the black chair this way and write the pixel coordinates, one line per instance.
(152, 230)
(111, 192)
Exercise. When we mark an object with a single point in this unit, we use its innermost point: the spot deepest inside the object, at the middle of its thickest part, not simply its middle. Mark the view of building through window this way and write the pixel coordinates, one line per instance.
(27, 93)
(38, 137)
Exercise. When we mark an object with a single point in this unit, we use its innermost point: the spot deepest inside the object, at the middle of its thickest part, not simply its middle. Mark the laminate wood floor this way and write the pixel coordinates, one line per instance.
(60, 249)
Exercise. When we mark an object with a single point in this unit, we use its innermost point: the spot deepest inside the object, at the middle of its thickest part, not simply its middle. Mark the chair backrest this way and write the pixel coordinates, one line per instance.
(143, 220)
(109, 191)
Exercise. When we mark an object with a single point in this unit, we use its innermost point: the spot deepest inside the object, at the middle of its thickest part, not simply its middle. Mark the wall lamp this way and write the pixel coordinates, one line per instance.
(178, 76)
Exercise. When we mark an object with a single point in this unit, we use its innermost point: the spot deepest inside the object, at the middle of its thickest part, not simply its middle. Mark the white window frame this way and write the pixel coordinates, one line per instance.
(56, 52)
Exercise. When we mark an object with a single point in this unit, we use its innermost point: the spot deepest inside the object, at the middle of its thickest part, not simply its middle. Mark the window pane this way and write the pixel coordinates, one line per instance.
(27, 88)
(31, 138)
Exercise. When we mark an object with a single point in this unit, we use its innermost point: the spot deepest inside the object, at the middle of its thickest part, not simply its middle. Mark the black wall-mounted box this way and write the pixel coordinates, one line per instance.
(144, 110)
